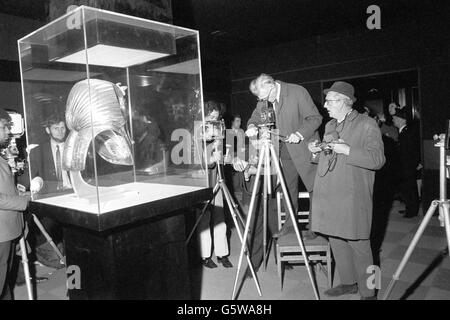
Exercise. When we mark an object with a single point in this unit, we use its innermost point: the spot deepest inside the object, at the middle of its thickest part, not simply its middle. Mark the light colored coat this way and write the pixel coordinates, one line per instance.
(11, 205)
(342, 198)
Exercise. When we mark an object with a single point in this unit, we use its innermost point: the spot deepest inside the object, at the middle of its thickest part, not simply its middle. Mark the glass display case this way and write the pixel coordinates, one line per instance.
(111, 105)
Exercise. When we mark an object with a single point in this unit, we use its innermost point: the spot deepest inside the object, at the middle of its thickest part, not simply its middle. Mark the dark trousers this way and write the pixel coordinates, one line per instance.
(291, 178)
(410, 195)
(6, 257)
(353, 258)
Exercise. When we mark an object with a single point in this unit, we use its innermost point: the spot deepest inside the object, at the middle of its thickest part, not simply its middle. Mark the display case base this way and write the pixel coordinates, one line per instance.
(144, 261)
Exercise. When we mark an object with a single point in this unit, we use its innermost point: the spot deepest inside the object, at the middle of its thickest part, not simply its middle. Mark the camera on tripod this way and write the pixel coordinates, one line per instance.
(267, 115)
(325, 147)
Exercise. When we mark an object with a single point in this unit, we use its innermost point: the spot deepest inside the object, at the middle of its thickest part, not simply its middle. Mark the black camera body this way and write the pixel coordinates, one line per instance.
(325, 147)
(267, 114)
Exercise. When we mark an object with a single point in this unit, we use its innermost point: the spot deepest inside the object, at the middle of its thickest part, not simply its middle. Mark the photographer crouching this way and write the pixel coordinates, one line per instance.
(343, 188)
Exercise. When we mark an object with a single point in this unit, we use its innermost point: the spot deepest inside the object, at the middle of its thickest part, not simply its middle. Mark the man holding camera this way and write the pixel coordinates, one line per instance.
(11, 206)
(343, 188)
(297, 118)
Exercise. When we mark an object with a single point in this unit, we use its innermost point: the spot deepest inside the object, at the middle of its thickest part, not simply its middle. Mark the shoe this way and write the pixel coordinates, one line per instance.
(208, 263)
(342, 289)
(408, 216)
(402, 211)
(369, 298)
(225, 262)
(54, 263)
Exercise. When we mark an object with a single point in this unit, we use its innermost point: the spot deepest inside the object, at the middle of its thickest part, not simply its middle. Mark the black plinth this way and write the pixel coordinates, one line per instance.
(133, 253)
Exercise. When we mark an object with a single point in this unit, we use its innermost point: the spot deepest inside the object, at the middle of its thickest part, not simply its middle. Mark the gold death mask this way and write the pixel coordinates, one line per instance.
(95, 109)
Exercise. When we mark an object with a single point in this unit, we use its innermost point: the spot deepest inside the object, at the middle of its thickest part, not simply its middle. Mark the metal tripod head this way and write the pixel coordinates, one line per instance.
(440, 143)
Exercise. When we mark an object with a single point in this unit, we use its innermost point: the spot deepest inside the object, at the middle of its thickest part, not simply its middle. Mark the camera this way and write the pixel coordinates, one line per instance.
(214, 130)
(325, 147)
(267, 115)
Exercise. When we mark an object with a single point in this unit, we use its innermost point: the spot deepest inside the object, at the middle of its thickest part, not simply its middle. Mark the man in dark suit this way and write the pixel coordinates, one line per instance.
(409, 159)
(46, 164)
(297, 118)
(11, 206)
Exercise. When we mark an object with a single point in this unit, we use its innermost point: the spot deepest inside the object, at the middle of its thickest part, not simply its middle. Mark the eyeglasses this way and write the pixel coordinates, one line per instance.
(327, 101)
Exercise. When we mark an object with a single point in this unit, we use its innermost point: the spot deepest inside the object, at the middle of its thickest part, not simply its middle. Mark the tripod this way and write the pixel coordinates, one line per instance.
(267, 153)
(24, 256)
(443, 204)
(235, 214)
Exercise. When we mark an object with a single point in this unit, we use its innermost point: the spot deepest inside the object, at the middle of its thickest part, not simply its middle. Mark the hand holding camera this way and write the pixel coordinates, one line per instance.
(314, 146)
(340, 147)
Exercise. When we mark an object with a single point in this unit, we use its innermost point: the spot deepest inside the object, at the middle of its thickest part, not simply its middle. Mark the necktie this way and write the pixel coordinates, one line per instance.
(58, 167)
(274, 106)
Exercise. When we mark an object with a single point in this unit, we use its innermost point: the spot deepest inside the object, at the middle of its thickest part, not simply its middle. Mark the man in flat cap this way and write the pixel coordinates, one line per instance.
(343, 188)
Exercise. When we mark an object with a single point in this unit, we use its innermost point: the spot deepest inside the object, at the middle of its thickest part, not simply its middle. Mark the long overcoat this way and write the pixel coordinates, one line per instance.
(343, 188)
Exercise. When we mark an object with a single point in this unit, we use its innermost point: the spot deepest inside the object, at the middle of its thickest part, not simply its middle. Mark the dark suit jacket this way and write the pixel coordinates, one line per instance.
(296, 112)
(409, 152)
(43, 165)
(11, 205)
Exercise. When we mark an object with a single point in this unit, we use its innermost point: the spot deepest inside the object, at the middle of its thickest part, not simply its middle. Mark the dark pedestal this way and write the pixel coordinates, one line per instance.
(134, 253)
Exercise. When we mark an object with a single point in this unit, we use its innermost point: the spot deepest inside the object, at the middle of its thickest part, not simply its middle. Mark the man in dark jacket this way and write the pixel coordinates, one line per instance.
(297, 118)
(11, 206)
(409, 159)
(46, 164)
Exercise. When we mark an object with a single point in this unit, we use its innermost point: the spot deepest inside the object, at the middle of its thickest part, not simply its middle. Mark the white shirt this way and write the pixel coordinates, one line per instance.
(65, 176)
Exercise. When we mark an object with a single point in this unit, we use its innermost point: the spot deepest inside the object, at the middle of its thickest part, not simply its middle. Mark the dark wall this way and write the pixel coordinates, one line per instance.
(421, 45)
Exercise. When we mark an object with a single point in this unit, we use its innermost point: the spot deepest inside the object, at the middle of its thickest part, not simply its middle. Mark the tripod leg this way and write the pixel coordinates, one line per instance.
(249, 217)
(291, 212)
(411, 247)
(234, 207)
(215, 191)
(234, 213)
(26, 268)
(265, 199)
(445, 208)
(49, 239)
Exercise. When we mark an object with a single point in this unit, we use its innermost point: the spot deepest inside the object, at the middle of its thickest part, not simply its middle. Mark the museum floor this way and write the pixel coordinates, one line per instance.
(416, 282)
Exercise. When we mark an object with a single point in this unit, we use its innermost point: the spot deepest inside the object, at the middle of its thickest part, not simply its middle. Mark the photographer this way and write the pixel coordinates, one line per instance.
(215, 216)
(11, 206)
(297, 118)
(343, 188)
